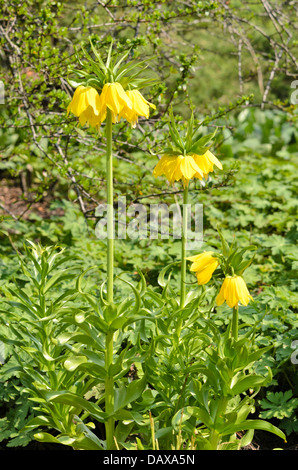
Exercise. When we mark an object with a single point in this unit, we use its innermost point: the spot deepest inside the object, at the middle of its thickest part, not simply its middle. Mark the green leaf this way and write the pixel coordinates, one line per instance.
(39, 421)
(188, 412)
(127, 394)
(200, 144)
(161, 277)
(224, 244)
(73, 363)
(46, 437)
(136, 307)
(279, 405)
(78, 402)
(62, 275)
(246, 383)
(253, 424)
(88, 440)
(189, 133)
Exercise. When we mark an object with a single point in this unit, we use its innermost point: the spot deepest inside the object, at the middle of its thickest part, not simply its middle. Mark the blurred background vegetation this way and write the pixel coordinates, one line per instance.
(234, 63)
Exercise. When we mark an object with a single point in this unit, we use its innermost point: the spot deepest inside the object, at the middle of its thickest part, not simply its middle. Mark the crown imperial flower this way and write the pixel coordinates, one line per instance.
(86, 105)
(140, 107)
(203, 265)
(188, 157)
(233, 291)
(206, 162)
(112, 86)
(177, 168)
(114, 97)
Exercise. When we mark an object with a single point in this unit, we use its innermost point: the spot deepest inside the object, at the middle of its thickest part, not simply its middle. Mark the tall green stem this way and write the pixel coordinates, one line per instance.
(215, 435)
(183, 258)
(110, 209)
(235, 323)
(109, 381)
(183, 248)
(109, 392)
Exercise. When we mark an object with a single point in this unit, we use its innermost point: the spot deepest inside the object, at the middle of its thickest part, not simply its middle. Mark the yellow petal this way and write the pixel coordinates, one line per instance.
(205, 254)
(139, 104)
(130, 115)
(203, 163)
(213, 159)
(169, 165)
(160, 167)
(229, 294)
(189, 167)
(172, 169)
(242, 291)
(200, 261)
(204, 275)
(221, 297)
(83, 98)
(114, 97)
(140, 107)
(77, 103)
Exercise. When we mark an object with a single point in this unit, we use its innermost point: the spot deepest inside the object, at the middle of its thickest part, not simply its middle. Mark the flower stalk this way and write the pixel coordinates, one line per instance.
(235, 323)
(183, 257)
(109, 391)
(110, 209)
(109, 92)
(183, 247)
(109, 381)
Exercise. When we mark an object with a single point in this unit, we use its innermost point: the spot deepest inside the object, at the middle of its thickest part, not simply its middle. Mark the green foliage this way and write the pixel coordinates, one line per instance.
(245, 209)
(200, 389)
(278, 405)
(15, 401)
(195, 384)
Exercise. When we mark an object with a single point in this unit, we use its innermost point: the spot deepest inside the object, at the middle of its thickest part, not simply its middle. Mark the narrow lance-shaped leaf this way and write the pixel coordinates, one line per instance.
(189, 132)
(254, 424)
(224, 244)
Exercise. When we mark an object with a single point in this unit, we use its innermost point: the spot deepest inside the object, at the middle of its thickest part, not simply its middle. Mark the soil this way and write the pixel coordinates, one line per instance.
(15, 202)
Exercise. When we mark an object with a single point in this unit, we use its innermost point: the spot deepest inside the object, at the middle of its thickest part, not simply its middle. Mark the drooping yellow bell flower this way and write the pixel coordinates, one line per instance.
(233, 290)
(114, 97)
(177, 168)
(140, 107)
(204, 266)
(91, 107)
(206, 162)
(86, 105)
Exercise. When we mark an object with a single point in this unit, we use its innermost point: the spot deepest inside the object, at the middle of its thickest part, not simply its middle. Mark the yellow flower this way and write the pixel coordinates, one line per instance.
(233, 290)
(114, 97)
(203, 265)
(140, 107)
(177, 168)
(91, 108)
(206, 162)
(86, 105)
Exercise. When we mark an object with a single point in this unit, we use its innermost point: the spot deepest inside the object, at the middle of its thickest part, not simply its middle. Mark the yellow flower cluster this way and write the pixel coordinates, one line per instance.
(91, 107)
(186, 167)
(233, 289)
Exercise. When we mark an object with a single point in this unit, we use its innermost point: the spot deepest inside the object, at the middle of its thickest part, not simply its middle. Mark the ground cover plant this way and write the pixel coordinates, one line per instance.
(135, 340)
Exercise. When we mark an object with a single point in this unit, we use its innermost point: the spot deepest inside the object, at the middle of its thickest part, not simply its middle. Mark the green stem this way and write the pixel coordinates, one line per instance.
(235, 323)
(183, 248)
(109, 392)
(215, 436)
(110, 209)
(183, 257)
(109, 381)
